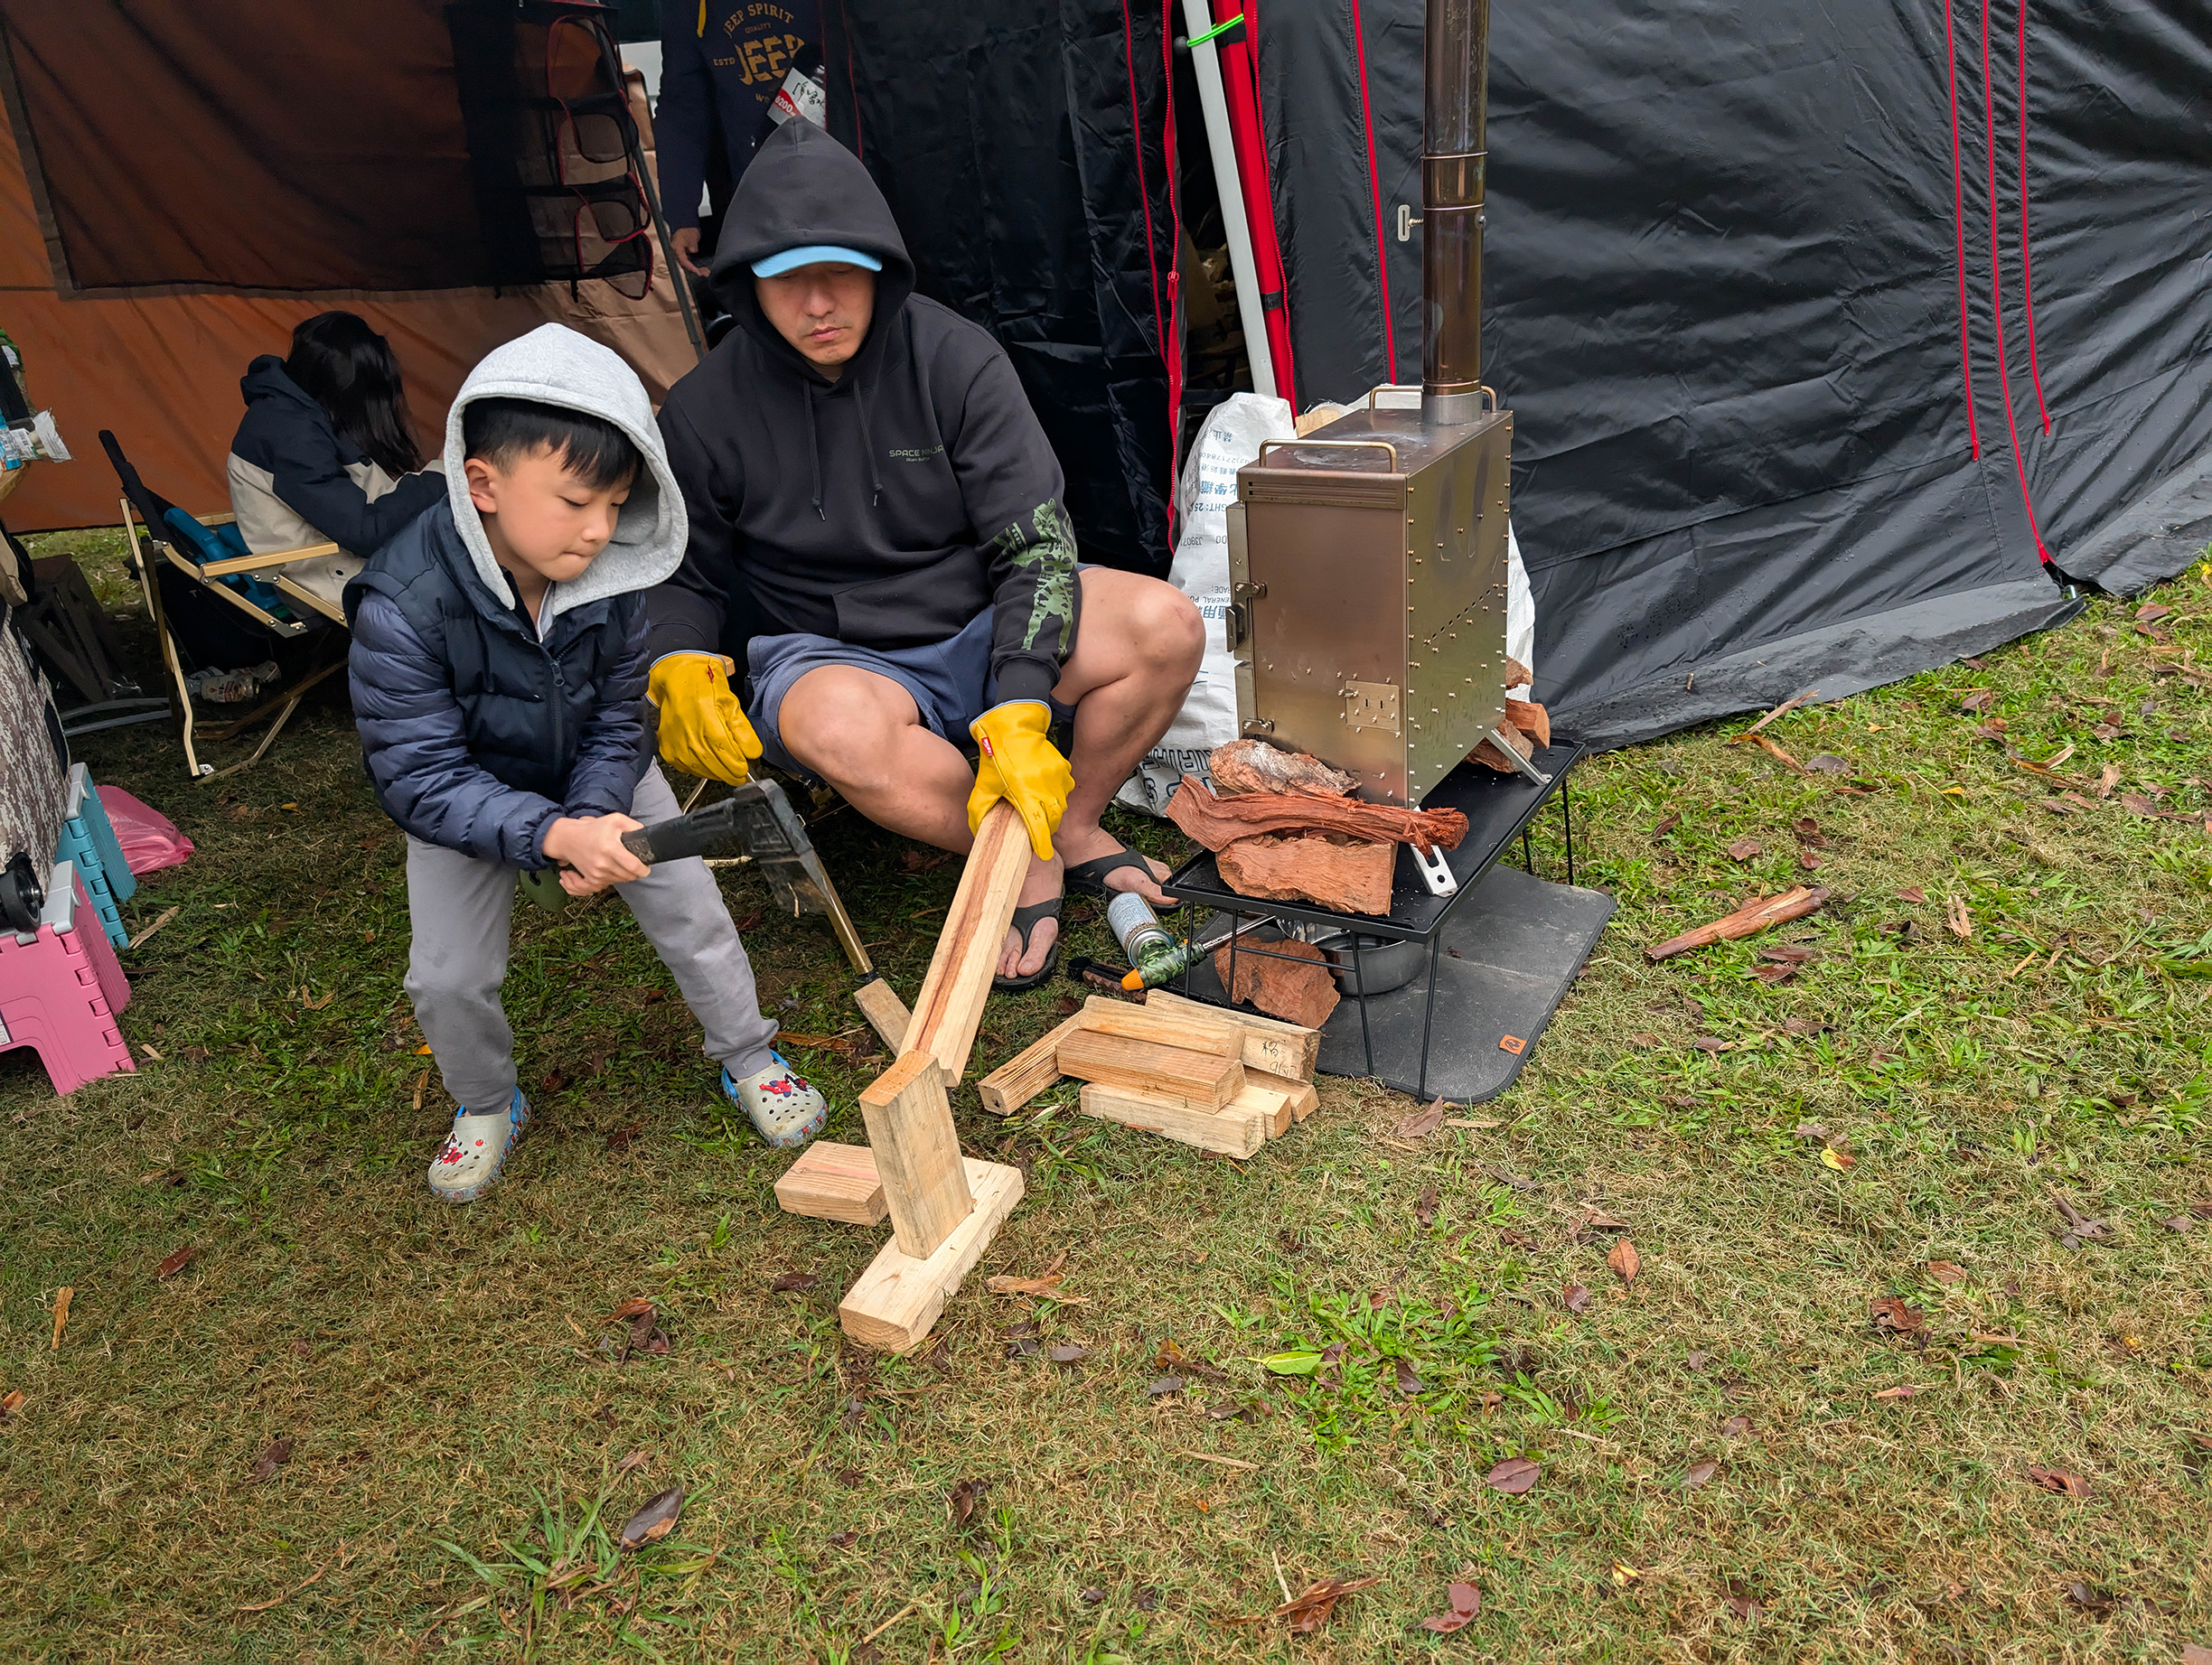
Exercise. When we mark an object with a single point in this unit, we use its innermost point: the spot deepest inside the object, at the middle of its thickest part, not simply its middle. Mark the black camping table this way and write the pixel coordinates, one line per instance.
(1517, 942)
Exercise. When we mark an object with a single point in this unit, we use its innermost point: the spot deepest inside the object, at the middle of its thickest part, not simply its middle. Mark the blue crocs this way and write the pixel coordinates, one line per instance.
(476, 1149)
(785, 1108)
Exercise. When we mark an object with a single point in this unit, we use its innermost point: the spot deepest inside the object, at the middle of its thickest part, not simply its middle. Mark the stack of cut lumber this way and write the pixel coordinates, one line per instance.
(1221, 1080)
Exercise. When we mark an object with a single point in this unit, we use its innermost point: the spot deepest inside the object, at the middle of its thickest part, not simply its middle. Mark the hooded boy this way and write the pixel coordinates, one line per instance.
(877, 539)
(498, 675)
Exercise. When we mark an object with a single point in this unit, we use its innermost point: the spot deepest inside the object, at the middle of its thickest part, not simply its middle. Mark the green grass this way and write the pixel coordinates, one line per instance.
(460, 1426)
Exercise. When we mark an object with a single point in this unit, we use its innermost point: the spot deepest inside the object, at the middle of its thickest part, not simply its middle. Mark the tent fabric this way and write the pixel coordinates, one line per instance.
(1023, 151)
(1740, 289)
(162, 370)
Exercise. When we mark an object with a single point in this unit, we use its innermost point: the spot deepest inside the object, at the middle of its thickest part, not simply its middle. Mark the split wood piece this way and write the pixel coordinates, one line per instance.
(833, 1182)
(951, 1005)
(1255, 766)
(1342, 875)
(886, 1013)
(1531, 719)
(1236, 1129)
(1487, 752)
(1269, 1043)
(1215, 821)
(1202, 1080)
(1305, 1098)
(1277, 983)
(1517, 675)
(917, 1152)
(1029, 1071)
(893, 1304)
(1753, 916)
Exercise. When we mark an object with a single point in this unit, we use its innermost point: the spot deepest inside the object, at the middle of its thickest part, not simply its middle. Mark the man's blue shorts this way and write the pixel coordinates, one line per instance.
(950, 681)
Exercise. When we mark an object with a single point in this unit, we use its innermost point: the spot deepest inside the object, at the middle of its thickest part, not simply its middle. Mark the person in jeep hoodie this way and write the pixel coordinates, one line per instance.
(877, 532)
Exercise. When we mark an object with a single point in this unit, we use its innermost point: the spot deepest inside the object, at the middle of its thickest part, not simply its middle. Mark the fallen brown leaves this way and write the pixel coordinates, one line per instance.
(1422, 1122)
(1893, 1317)
(643, 1328)
(274, 1457)
(1464, 1601)
(1513, 1476)
(1311, 1608)
(655, 1521)
(177, 1262)
(1577, 1298)
(1625, 1260)
(1046, 1284)
(2059, 1480)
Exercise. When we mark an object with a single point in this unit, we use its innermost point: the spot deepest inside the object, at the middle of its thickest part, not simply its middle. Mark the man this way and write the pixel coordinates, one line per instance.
(722, 63)
(876, 529)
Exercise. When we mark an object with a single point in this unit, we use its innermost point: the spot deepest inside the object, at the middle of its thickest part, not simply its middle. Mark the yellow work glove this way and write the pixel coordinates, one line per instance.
(1020, 765)
(703, 728)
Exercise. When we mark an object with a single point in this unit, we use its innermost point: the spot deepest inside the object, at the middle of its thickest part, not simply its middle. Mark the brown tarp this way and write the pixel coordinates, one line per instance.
(162, 369)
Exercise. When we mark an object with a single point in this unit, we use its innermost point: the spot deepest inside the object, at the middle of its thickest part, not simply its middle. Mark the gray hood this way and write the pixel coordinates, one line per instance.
(554, 365)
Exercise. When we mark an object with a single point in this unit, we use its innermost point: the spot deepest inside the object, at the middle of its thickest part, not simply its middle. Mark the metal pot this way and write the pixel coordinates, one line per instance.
(1384, 962)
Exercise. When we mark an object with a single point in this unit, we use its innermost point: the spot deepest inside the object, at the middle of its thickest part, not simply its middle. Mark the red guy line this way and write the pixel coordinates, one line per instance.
(1144, 197)
(2005, 380)
(1958, 225)
(2035, 371)
(1375, 184)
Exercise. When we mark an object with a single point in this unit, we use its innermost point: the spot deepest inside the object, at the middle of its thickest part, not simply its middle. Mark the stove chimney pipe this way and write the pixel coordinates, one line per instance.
(1454, 95)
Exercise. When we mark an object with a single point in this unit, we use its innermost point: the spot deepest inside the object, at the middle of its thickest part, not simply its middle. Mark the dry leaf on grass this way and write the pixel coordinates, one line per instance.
(1839, 1160)
(635, 1460)
(1744, 850)
(1045, 1285)
(11, 1404)
(1828, 764)
(1068, 1352)
(1513, 1476)
(274, 1457)
(1903, 1391)
(1421, 1123)
(1946, 1271)
(176, 1263)
(1699, 1474)
(1893, 1317)
(963, 1498)
(1425, 1210)
(2059, 1480)
(1957, 918)
(1309, 1610)
(1912, 892)
(655, 1521)
(1577, 1298)
(1625, 1260)
(791, 1280)
(1735, 1427)
(1464, 1601)
(62, 1297)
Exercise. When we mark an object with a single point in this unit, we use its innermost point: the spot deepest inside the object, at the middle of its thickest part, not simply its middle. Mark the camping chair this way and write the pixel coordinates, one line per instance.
(169, 547)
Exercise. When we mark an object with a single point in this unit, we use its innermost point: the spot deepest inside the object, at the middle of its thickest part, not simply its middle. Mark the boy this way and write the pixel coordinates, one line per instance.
(498, 673)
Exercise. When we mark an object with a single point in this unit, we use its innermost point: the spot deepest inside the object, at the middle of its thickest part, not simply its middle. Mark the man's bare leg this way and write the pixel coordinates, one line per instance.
(1136, 653)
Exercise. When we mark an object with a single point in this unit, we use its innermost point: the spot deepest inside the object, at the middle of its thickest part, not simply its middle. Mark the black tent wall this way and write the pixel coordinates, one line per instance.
(1723, 299)
(1007, 138)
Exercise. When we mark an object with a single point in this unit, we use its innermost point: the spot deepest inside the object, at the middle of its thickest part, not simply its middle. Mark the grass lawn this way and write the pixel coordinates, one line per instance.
(1726, 1467)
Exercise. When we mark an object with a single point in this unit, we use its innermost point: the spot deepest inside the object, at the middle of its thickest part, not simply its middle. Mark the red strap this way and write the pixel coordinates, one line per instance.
(1144, 197)
(2004, 378)
(2034, 370)
(1241, 86)
(1375, 186)
(859, 139)
(1958, 227)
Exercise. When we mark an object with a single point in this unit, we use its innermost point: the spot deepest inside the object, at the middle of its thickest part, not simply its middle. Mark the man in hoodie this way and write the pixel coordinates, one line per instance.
(498, 668)
(876, 534)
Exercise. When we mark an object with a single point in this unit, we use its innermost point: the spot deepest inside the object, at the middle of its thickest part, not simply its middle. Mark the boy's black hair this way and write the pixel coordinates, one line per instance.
(502, 432)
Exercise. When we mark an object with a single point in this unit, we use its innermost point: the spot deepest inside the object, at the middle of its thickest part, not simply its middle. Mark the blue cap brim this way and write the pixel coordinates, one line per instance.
(815, 254)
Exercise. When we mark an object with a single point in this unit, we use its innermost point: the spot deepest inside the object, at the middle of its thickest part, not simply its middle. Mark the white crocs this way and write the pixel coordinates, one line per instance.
(785, 1107)
(476, 1148)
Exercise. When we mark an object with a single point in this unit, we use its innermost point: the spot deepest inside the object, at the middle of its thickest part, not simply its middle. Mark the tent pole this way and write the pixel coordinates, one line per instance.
(676, 275)
(1198, 19)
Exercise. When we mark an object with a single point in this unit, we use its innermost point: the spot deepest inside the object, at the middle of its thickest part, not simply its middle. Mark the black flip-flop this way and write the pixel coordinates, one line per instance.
(1089, 878)
(1027, 920)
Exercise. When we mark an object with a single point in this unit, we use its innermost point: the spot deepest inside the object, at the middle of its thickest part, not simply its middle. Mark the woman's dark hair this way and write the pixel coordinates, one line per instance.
(347, 367)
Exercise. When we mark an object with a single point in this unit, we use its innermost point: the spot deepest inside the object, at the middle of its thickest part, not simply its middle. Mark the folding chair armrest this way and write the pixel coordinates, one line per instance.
(255, 562)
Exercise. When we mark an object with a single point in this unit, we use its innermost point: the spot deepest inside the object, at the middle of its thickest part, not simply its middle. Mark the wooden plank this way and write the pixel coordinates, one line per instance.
(1235, 1131)
(1272, 1102)
(885, 1012)
(1205, 1030)
(833, 1182)
(1206, 1080)
(1026, 1074)
(893, 1304)
(917, 1152)
(1269, 1043)
(951, 1004)
(1305, 1099)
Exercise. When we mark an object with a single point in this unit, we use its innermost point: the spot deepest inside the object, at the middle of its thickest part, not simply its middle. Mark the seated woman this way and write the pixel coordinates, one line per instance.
(327, 453)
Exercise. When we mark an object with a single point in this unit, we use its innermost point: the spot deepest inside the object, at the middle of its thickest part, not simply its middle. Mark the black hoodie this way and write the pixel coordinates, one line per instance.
(885, 508)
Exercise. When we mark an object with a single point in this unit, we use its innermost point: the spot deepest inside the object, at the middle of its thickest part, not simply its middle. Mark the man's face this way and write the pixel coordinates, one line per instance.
(821, 310)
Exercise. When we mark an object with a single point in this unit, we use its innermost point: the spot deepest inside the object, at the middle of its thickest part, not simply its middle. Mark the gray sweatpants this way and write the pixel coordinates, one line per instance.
(461, 909)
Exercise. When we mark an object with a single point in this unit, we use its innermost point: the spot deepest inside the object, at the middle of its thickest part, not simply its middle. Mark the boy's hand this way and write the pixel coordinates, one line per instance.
(590, 848)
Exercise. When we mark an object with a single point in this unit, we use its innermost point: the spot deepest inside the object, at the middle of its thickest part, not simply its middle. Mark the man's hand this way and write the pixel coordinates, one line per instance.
(685, 241)
(703, 728)
(590, 848)
(1022, 766)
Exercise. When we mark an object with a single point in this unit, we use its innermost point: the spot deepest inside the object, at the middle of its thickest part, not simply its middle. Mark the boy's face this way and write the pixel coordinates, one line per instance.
(823, 310)
(539, 515)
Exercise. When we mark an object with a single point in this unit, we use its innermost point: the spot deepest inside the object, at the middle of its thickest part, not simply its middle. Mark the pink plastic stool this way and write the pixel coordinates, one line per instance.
(61, 988)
